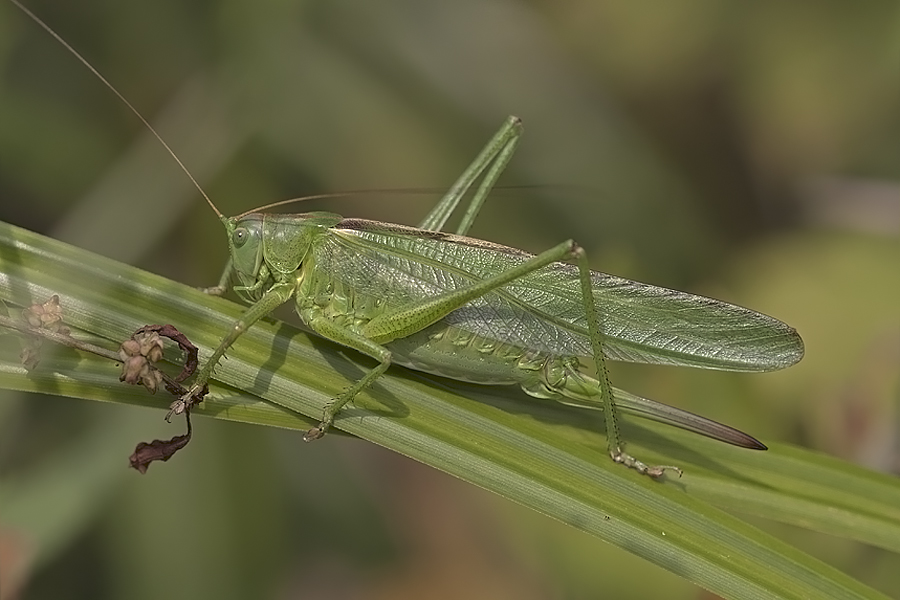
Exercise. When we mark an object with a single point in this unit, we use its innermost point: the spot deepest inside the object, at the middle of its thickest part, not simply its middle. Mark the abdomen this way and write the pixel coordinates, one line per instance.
(448, 351)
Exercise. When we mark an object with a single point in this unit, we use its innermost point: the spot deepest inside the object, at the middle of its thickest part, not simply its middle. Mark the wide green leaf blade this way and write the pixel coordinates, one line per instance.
(544, 456)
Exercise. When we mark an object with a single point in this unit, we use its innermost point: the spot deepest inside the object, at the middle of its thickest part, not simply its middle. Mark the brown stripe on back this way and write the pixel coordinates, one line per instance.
(378, 226)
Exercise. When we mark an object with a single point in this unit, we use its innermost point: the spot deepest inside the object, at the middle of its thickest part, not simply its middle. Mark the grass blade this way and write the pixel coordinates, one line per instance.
(547, 457)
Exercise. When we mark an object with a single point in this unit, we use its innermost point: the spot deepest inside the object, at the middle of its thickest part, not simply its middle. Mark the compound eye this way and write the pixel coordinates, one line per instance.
(240, 236)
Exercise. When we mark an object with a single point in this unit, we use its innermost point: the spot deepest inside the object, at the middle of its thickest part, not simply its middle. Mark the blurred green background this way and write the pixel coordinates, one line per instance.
(748, 152)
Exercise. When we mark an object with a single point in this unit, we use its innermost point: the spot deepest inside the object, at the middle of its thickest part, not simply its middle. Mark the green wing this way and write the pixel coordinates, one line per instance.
(544, 311)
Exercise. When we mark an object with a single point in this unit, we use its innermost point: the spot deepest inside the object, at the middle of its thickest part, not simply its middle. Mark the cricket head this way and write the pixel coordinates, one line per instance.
(270, 248)
(246, 248)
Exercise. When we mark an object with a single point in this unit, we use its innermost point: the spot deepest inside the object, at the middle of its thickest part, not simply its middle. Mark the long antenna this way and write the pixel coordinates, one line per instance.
(345, 194)
(84, 61)
(403, 191)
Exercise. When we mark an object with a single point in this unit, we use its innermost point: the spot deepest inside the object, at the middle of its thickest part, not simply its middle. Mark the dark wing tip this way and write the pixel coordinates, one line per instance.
(732, 436)
(751, 443)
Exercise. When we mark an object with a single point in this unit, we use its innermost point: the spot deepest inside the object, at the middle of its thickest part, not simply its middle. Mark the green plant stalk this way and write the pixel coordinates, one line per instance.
(547, 457)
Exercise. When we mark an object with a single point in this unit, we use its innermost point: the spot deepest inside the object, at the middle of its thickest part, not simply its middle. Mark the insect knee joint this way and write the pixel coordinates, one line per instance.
(575, 251)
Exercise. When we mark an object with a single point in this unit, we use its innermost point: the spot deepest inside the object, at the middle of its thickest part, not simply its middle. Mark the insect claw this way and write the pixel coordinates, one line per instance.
(176, 408)
(187, 401)
(216, 290)
(315, 433)
(659, 470)
(631, 462)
